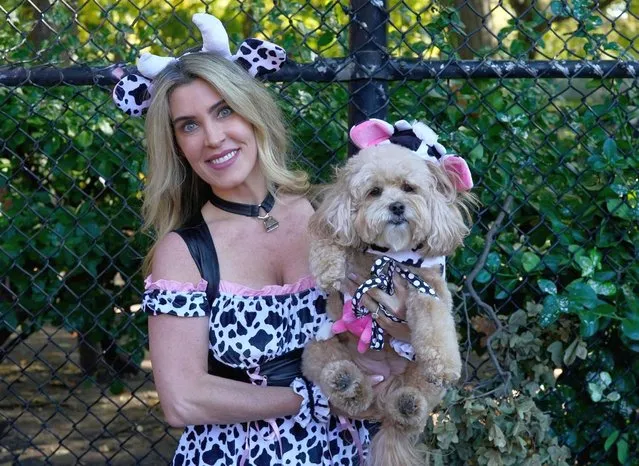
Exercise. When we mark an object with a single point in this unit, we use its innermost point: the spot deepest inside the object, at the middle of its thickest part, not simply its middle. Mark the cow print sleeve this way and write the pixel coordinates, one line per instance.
(176, 303)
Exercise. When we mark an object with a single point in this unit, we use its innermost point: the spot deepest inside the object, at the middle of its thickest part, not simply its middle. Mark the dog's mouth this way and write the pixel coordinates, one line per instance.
(398, 220)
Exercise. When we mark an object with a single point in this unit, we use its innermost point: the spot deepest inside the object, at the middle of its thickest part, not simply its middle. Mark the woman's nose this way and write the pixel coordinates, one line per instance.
(214, 135)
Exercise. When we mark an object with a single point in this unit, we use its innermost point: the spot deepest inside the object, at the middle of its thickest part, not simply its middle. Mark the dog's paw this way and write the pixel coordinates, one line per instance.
(346, 387)
(452, 370)
(408, 407)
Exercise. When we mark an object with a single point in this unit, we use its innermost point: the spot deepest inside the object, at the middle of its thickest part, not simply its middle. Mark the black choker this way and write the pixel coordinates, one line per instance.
(249, 210)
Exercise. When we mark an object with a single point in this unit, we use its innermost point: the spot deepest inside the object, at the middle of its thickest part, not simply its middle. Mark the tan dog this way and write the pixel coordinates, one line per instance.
(388, 196)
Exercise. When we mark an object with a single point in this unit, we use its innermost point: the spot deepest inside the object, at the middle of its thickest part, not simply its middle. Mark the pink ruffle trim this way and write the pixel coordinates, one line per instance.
(173, 285)
(304, 283)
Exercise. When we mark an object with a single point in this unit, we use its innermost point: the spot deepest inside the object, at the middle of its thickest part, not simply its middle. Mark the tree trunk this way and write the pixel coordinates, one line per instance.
(476, 36)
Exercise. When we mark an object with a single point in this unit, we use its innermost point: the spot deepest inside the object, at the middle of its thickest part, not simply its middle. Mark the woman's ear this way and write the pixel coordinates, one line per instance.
(333, 219)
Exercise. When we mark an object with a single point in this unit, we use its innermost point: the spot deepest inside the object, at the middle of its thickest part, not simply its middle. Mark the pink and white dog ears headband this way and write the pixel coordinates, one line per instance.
(132, 94)
(419, 138)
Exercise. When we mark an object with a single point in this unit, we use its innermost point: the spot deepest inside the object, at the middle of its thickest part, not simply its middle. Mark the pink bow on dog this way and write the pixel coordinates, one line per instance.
(361, 326)
(417, 137)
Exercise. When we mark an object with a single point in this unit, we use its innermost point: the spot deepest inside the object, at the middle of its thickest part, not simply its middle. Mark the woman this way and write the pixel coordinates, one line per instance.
(216, 150)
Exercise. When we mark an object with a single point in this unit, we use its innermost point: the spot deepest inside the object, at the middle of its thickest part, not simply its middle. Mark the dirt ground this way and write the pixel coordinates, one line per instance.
(51, 414)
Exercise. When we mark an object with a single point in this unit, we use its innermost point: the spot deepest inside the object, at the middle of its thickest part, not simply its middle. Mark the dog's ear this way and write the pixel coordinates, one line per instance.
(447, 213)
(333, 219)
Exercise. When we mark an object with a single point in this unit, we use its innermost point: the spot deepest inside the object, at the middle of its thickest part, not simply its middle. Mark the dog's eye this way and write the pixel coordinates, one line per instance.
(375, 192)
(407, 188)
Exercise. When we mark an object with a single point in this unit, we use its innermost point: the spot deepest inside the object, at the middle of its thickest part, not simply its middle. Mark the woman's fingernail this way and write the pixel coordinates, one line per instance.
(352, 276)
(377, 378)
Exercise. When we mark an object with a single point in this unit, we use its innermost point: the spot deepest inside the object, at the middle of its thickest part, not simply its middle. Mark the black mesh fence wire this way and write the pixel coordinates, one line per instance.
(539, 97)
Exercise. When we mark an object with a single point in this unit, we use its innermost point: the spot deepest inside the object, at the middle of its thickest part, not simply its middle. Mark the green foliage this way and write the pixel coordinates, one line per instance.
(511, 429)
(69, 226)
(562, 274)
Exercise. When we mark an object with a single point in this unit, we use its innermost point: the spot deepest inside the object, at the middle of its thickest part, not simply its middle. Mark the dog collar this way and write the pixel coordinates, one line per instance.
(410, 257)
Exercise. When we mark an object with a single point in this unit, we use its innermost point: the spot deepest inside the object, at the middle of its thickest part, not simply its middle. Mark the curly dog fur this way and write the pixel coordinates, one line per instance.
(356, 211)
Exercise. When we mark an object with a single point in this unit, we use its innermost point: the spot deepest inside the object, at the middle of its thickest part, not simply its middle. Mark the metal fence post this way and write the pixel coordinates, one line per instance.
(368, 41)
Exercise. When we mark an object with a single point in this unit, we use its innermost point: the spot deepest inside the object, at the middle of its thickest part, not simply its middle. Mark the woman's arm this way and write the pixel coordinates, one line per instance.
(179, 355)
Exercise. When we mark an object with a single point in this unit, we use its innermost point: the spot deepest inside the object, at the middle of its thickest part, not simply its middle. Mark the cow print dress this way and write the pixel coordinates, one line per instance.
(248, 327)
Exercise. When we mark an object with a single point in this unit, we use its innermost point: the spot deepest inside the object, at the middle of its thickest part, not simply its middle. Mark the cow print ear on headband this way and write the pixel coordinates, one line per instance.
(133, 93)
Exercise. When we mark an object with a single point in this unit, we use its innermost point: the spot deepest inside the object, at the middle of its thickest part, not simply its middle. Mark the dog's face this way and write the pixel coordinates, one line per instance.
(389, 197)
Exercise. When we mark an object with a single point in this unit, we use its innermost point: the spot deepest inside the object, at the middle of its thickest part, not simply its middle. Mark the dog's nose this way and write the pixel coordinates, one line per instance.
(396, 208)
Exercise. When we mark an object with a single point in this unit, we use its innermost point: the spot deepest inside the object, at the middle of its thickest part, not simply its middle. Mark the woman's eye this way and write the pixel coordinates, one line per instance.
(407, 188)
(225, 112)
(375, 192)
(189, 126)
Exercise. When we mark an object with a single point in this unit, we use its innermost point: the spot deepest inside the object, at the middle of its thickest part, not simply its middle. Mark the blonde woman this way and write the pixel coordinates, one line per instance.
(230, 300)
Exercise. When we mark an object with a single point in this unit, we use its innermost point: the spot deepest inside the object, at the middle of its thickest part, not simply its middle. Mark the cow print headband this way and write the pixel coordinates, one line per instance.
(132, 94)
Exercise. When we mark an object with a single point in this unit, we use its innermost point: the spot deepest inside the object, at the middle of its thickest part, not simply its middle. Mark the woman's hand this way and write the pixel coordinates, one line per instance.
(395, 304)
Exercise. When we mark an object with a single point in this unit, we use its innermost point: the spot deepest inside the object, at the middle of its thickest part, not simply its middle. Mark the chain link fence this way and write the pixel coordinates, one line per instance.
(539, 96)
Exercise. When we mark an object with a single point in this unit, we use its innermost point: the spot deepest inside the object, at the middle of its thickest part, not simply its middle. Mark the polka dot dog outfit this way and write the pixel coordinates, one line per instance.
(247, 328)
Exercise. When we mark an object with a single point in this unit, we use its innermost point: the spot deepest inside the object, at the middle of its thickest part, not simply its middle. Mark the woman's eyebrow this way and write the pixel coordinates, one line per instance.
(190, 117)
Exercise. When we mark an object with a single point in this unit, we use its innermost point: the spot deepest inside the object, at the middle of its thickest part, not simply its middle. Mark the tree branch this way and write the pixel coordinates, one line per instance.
(490, 239)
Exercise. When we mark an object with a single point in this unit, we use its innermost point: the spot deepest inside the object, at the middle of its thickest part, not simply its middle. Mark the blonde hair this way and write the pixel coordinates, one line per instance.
(173, 192)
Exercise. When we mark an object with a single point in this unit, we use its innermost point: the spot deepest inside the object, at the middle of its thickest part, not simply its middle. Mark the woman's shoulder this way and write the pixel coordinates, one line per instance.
(297, 203)
(172, 260)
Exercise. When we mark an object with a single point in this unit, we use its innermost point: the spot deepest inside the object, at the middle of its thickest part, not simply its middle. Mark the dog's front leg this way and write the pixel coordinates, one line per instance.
(434, 337)
(327, 263)
(329, 364)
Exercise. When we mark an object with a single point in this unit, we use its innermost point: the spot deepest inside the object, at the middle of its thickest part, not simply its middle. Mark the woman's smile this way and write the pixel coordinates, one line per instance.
(223, 160)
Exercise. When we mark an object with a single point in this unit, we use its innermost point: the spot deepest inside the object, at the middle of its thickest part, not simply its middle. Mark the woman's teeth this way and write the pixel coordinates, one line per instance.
(228, 156)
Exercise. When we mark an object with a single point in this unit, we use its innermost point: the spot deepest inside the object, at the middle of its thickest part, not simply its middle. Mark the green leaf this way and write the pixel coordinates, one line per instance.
(588, 326)
(484, 276)
(493, 262)
(586, 265)
(547, 286)
(580, 295)
(496, 435)
(519, 47)
(603, 289)
(622, 449)
(556, 350)
(604, 310)
(84, 139)
(630, 327)
(612, 438)
(326, 39)
(530, 261)
(116, 387)
(610, 149)
(595, 391)
(553, 307)
(558, 8)
(477, 154)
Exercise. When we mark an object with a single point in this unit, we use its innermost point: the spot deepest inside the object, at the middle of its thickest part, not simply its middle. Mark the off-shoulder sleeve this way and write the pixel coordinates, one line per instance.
(175, 298)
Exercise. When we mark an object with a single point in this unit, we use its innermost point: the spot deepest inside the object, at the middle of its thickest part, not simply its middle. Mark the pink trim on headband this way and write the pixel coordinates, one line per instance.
(173, 285)
(237, 289)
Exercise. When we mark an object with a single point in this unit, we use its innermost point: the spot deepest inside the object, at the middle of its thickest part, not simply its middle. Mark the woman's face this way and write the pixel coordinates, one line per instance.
(218, 143)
